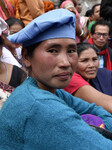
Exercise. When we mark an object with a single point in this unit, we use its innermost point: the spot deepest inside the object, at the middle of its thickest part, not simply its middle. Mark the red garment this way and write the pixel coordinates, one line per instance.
(76, 82)
(103, 52)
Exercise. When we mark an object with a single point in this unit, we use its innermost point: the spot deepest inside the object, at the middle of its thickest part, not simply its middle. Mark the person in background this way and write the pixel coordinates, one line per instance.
(71, 6)
(106, 13)
(96, 12)
(6, 9)
(39, 114)
(10, 76)
(106, 10)
(13, 57)
(83, 19)
(86, 20)
(78, 6)
(27, 10)
(87, 69)
(48, 5)
(99, 36)
(95, 16)
(14, 24)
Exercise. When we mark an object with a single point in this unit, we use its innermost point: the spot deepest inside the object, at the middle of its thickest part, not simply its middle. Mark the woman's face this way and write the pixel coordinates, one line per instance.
(88, 64)
(75, 2)
(15, 28)
(53, 63)
(78, 6)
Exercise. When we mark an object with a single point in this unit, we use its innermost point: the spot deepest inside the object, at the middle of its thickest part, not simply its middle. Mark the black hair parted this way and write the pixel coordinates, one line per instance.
(93, 8)
(88, 13)
(85, 46)
(100, 22)
(61, 1)
(12, 20)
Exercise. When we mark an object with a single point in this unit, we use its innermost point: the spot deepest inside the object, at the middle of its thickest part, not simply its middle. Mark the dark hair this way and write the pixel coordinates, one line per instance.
(61, 1)
(85, 46)
(1, 42)
(93, 8)
(100, 22)
(88, 13)
(31, 48)
(12, 20)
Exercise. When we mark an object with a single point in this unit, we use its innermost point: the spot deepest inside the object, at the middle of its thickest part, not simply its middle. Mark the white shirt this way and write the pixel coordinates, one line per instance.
(9, 58)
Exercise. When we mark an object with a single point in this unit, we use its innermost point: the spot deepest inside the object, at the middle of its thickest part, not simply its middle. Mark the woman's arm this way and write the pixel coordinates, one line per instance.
(91, 95)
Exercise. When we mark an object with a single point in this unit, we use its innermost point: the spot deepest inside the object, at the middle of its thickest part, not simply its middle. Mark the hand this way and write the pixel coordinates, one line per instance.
(9, 45)
(72, 10)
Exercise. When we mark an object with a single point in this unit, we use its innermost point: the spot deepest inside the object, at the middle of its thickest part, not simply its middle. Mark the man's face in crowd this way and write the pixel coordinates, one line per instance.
(101, 35)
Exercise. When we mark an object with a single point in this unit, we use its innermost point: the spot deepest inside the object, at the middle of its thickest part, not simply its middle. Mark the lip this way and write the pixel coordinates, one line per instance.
(102, 42)
(91, 71)
(63, 76)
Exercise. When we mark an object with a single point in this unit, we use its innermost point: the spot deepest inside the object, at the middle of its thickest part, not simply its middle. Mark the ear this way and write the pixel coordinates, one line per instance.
(26, 58)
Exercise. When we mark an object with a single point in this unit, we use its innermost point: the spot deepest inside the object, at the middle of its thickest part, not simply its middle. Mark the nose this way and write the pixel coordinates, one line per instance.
(64, 61)
(91, 64)
(101, 37)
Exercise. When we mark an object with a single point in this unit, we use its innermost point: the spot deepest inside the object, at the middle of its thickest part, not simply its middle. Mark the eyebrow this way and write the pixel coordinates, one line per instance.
(59, 45)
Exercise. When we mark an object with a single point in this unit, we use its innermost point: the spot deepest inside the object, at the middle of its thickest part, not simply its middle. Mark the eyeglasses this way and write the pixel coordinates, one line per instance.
(98, 34)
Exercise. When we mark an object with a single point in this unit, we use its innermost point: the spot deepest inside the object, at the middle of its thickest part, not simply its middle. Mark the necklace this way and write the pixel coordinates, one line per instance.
(6, 72)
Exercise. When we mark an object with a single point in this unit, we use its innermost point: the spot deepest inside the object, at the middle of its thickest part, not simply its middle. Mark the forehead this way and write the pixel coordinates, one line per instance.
(97, 8)
(88, 52)
(102, 28)
(78, 2)
(59, 42)
(16, 26)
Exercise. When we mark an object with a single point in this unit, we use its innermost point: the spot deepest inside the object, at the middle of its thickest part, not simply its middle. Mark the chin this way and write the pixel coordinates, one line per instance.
(92, 77)
(62, 86)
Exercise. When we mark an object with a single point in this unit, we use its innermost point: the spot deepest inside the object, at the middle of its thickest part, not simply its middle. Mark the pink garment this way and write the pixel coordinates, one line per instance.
(2, 14)
(6, 7)
(79, 23)
(76, 82)
(67, 4)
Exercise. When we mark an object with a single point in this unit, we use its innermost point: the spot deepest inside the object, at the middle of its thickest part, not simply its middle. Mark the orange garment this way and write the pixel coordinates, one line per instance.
(27, 10)
(15, 4)
(48, 5)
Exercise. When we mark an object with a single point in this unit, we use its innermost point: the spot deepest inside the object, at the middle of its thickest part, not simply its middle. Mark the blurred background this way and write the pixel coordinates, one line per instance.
(86, 4)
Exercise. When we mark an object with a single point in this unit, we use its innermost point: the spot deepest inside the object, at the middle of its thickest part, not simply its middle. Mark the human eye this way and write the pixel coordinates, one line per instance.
(98, 34)
(105, 34)
(84, 60)
(52, 50)
(95, 58)
(71, 50)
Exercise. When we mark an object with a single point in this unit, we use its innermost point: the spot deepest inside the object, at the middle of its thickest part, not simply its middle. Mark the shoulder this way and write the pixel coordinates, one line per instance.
(76, 82)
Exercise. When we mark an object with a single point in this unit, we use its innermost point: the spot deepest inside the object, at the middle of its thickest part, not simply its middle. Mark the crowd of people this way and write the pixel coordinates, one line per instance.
(55, 76)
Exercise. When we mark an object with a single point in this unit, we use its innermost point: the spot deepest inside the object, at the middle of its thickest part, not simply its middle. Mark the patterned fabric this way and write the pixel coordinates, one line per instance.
(93, 120)
(5, 91)
(6, 87)
(6, 9)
